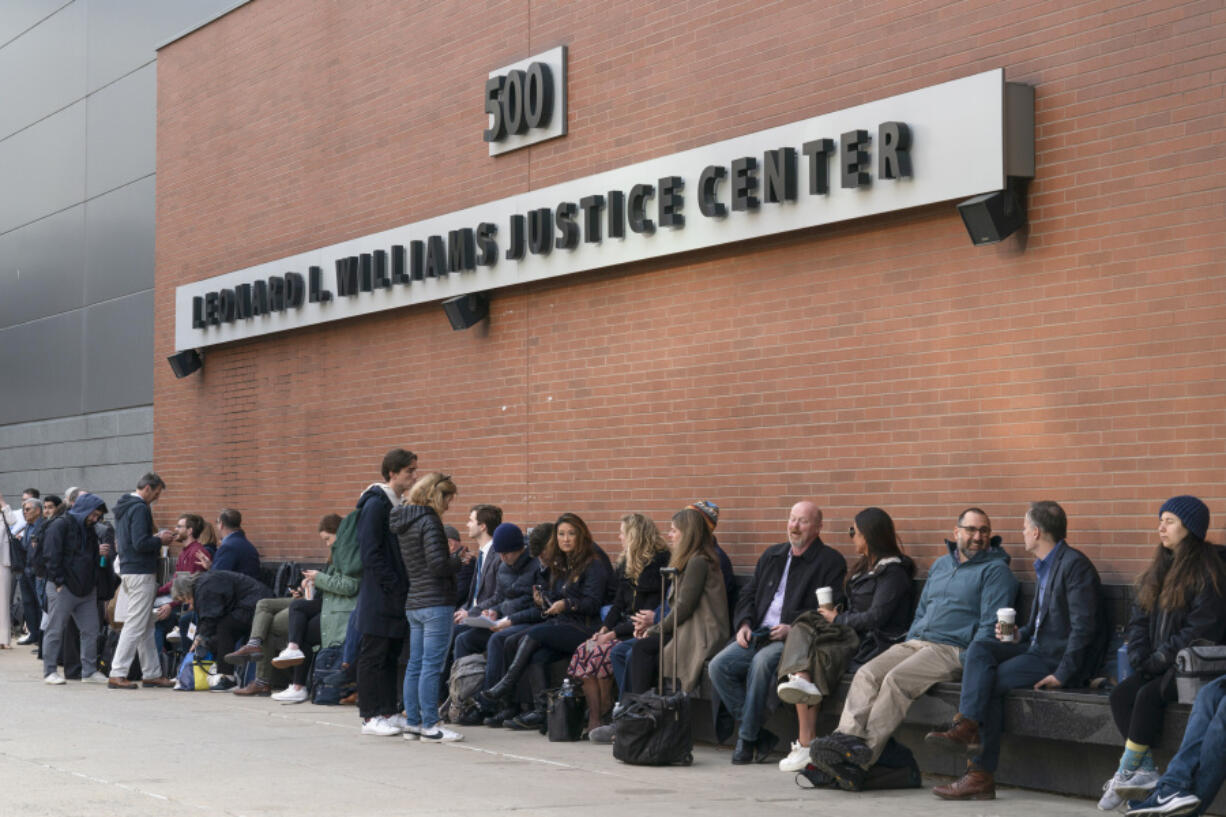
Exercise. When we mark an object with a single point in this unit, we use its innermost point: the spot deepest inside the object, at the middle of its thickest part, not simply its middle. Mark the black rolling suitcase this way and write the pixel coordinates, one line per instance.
(655, 729)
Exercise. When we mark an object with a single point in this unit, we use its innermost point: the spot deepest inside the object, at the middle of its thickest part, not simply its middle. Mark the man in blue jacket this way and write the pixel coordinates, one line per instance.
(235, 553)
(139, 548)
(71, 557)
(1055, 649)
(964, 590)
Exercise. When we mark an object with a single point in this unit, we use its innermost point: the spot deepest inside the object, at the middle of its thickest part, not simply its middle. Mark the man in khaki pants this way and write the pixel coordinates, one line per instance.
(139, 548)
(964, 590)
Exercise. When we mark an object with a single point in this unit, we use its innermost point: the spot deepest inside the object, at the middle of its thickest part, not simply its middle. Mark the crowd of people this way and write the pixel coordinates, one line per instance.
(403, 604)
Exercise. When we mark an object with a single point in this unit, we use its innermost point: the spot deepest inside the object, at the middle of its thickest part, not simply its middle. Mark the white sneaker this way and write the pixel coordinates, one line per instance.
(173, 636)
(439, 734)
(94, 677)
(290, 695)
(1139, 785)
(797, 759)
(288, 658)
(410, 732)
(797, 690)
(55, 679)
(1111, 800)
(399, 721)
(379, 727)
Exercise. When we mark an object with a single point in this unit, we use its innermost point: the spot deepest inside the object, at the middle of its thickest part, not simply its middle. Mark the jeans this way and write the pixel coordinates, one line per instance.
(352, 642)
(429, 638)
(1199, 767)
(743, 678)
(990, 669)
(619, 657)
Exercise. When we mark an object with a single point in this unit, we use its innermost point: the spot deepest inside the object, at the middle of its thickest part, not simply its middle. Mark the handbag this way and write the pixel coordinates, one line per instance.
(564, 713)
(1195, 667)
(194, 675)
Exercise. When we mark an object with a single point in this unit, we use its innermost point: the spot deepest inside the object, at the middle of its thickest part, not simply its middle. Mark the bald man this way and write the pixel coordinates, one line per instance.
(784, 584)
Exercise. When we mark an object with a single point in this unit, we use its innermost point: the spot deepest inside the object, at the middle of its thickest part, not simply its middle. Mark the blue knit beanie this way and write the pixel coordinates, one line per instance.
(508, 538)
(1193, 513)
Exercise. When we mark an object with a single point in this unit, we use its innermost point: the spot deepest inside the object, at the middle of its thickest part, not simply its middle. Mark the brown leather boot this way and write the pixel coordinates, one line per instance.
(256, 687)
(962, 737)
(976, 784)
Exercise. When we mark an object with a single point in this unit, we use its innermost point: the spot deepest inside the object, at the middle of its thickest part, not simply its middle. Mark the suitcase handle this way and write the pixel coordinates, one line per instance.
(667, 574)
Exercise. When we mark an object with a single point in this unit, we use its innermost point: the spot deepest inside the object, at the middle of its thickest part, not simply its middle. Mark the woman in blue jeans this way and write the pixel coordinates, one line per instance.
(1196, 772)
(431, 568)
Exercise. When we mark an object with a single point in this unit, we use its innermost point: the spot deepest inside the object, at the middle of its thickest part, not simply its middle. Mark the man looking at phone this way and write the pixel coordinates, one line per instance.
(784, 583)
(139, 548)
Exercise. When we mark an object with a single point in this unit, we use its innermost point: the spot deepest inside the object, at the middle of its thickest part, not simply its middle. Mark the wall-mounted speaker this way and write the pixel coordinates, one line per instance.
(465, 311)
(184, 363)
(993, 217)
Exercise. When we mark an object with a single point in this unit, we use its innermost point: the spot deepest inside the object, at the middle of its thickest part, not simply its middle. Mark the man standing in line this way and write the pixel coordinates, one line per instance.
(70, 551)
(139, 548)
(784, 583)
(964, 590)
(1055, 649)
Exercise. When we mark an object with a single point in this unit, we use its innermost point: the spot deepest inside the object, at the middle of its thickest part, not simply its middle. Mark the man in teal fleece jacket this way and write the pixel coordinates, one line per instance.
(964, 590)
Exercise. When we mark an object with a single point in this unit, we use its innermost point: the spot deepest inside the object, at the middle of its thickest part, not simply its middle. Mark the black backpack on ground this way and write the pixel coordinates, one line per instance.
(654, 728)
(328, 684)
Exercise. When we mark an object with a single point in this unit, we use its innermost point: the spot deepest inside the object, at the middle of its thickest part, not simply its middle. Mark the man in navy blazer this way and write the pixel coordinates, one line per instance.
(1055, 648)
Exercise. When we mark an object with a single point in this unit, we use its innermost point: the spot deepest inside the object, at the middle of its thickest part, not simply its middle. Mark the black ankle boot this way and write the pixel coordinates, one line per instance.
(508, 682)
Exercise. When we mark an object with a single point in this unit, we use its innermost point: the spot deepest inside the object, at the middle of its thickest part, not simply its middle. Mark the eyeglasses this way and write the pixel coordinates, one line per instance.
(971, 529)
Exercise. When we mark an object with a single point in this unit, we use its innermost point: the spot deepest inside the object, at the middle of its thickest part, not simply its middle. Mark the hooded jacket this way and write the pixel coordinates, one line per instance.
(385, 585)
(879, 606)
(70, 548)
(134, 536)
(960, 599)
(428, 561)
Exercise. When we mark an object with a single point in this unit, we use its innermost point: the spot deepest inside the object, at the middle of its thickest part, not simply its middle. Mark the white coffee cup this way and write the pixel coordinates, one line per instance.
(825, 596)
(1006, 617)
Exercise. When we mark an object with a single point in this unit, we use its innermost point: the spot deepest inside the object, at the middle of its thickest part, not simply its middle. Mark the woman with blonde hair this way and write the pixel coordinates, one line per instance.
(431, 568)
(637, 577)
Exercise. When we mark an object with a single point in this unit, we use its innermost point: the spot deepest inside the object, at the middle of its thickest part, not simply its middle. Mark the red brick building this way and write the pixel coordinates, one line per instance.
(881, 361)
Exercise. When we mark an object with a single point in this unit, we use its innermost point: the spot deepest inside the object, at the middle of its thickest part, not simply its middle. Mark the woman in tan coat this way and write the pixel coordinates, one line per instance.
(696, 626)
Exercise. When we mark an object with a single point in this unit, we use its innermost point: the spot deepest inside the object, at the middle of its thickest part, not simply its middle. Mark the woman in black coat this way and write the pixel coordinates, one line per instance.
(1180, 601)
(574, 577)
(879, 595)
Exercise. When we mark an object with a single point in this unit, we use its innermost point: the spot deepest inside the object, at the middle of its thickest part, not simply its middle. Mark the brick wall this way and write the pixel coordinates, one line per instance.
(884, 362)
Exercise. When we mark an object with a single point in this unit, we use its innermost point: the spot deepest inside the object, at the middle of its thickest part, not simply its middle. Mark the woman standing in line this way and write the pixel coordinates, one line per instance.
(1180, 601)
(431, 568)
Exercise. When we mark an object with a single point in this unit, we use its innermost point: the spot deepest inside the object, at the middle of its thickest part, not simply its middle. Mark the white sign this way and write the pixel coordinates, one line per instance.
(939, 143)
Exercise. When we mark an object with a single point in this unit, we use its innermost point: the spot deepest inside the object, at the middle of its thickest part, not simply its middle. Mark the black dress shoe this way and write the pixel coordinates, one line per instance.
(499, 719)
(743, 753)
(766, 743)
(526, 722)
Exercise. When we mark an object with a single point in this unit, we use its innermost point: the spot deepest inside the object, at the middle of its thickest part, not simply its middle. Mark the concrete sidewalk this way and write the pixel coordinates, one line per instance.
(87, 750)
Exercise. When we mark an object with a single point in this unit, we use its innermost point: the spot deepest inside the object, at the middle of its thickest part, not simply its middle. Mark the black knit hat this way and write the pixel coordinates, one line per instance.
(1193, 513)
(508, 538)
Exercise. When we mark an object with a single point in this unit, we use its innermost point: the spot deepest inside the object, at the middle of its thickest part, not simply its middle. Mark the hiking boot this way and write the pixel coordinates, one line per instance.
(838, 747)
(976, 784)
(962, 737)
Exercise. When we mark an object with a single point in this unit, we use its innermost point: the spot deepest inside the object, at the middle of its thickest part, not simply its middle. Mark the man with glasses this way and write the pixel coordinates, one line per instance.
(964, 590)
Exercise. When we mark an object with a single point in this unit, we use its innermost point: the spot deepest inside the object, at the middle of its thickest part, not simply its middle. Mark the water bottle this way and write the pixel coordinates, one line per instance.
(568, 689)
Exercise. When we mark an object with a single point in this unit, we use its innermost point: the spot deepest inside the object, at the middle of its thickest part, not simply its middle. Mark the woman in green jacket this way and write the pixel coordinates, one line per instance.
(322, 615)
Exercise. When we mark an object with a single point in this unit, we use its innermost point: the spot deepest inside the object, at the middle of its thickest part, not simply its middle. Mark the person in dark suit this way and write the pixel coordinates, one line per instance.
(1056, 648)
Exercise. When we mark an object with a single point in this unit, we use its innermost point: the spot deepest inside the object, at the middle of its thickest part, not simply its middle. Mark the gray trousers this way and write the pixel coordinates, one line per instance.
(63, 606)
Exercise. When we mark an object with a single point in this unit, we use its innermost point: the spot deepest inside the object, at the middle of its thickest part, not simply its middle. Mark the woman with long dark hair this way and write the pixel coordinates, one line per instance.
(570, 592)
(1180, 601)
(637, 577)
(879, 591)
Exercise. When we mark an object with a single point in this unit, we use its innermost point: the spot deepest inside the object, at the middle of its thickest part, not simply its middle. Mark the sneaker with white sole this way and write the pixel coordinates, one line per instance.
(399, 721)
(797, 759)
(797, 690)
(1111, 800)
(1171, 804)
(1139, 786)
(55, 679)
(439, 734)
(94, 677)
(289, 695)
(288, 658)
(380, 727)
(411, 732)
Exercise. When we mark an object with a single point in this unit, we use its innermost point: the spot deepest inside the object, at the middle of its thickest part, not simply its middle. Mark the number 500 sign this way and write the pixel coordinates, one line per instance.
(526, 102)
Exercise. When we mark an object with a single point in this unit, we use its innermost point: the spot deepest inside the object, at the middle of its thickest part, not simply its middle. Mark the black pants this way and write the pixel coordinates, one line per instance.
(643, 664)
(231, 631)
(1138, 705)
(304, 631)
(32, 613)
(377, 660)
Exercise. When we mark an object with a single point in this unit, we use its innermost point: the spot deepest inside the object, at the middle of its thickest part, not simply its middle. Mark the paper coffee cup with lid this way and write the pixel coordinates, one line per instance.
(1006, 617)
(825, 596)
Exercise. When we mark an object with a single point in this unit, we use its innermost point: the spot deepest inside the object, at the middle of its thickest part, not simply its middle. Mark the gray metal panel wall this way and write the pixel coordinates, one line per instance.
(43, 367)
(42, 267)
(122, 122)
(119, 352)
(43, 69)
(42, 168)
(17, 16)
(118, 242)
